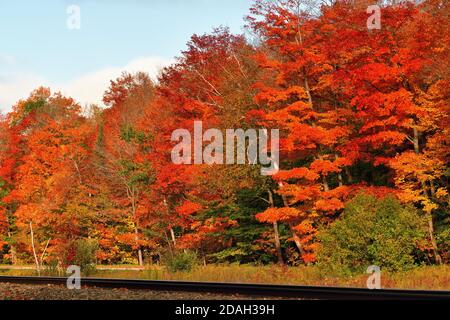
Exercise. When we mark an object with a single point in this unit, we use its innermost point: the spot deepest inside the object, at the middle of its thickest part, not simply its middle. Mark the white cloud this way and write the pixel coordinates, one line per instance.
(16, 87)
(90, 87)
(86, 89)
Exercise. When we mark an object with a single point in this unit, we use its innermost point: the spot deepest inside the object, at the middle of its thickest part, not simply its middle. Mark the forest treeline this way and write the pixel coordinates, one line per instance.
(362, 113)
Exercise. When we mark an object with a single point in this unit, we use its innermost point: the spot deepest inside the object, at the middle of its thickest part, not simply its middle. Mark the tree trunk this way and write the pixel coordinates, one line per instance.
(170, 244)
(139, 249)
(277, 243)
(12, 250)
(276, 233)
(202, 250)
(437, 256)
(133, 199)
(297, 240)
(349, 175)
(172, 235)
(38, 269)
(43, 252)
(326, 187)
(416, 141)
(294, 234)
(340, 178)
(432, 189)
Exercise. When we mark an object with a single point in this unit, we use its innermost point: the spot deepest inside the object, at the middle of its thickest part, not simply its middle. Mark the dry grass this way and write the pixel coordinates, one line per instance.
(423, 278)
(426, 278)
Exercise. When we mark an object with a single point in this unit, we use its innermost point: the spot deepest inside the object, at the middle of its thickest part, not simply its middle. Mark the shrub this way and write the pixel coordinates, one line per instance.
(183, 261)
(51, 268)
(443, 240)
(371, 231)
(85, 255)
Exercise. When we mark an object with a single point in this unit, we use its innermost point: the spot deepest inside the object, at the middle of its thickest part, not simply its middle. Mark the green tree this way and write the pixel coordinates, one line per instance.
(372, 231)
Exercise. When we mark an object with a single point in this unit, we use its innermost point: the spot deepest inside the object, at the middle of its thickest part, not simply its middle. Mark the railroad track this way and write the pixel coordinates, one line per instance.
(257, 290)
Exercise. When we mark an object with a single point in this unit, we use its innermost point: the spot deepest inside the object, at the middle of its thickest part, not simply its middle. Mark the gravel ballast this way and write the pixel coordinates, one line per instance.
(11, 291)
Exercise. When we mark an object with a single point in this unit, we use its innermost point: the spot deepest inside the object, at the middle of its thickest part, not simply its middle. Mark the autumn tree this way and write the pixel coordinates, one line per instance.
(121, 153)
(52, 143)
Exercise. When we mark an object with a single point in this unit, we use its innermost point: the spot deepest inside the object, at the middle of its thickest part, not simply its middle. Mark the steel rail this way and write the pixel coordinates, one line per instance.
(253, 290)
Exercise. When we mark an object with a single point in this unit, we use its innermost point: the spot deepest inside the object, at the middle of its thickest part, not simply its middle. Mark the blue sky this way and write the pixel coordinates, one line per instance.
(38, 47)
